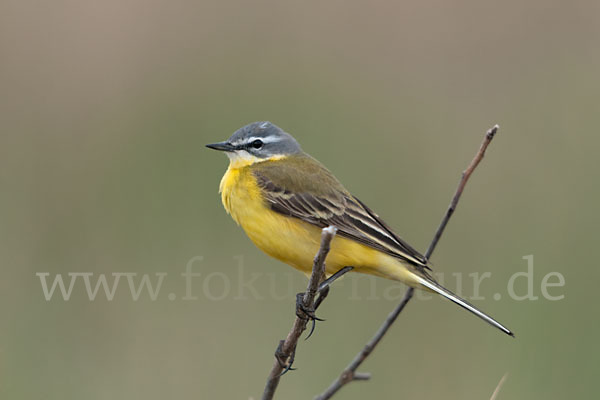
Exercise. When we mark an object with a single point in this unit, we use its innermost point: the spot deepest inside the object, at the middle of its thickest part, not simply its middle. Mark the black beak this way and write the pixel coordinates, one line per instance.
(221, 146)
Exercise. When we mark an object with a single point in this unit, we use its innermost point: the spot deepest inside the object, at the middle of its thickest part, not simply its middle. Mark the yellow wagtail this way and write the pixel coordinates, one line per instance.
(282, 198)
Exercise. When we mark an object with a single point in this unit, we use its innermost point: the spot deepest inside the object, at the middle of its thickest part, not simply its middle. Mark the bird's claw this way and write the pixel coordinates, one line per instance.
(306, 313)
(282, 358)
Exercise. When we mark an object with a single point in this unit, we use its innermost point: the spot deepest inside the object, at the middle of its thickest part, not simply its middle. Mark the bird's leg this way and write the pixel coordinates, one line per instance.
(324, 286)
(322, 295)
(323, 291)
(327, 282)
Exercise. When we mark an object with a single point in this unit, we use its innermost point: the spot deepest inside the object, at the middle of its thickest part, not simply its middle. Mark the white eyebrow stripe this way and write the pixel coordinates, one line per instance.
(268, 139)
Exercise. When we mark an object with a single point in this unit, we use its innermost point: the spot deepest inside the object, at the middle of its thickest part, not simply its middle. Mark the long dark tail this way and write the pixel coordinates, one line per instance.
(436, 287)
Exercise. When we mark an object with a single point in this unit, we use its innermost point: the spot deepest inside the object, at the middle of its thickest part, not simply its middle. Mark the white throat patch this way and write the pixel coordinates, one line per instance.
(241, 158)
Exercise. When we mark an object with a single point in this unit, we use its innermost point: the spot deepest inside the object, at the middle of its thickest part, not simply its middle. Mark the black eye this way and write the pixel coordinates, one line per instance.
(257, 144)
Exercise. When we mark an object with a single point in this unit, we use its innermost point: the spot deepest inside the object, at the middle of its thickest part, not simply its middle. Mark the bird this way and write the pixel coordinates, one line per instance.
(283, 198)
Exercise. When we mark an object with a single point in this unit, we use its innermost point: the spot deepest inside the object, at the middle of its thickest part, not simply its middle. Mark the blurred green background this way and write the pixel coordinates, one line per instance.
(106, 107)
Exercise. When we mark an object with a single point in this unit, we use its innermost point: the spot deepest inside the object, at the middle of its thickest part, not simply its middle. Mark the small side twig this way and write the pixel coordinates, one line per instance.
(349, 374)
(489, 135)
(287, 347)
(499, 386)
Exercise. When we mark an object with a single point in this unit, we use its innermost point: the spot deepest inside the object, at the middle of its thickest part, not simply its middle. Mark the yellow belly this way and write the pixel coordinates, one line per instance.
(296, 242)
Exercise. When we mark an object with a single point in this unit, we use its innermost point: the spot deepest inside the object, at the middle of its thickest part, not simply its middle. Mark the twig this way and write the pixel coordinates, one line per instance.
(461, 186)
(285, 350)
(349, 374)
(499, 386)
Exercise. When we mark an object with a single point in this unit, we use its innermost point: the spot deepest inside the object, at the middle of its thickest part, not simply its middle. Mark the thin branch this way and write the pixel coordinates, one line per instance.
(349, 374)
(499, 386)
(285, 351)
(461, 186)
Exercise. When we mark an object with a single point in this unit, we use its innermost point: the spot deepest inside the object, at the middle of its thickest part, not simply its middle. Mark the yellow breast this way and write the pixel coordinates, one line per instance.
(291, 240)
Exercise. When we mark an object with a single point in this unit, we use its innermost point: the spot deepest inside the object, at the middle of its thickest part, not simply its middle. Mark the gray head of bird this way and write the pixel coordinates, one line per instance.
(260, 140)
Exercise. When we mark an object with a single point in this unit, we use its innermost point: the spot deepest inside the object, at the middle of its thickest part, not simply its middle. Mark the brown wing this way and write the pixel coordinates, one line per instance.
(334, 206)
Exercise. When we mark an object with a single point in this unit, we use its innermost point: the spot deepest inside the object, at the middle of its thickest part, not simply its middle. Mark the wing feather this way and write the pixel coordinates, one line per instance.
(337, 207)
